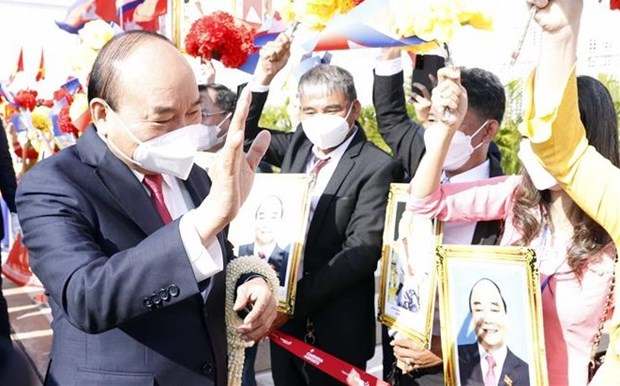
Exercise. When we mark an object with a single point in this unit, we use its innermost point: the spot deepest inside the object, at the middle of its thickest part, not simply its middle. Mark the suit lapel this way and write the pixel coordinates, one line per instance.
(346, 164)
(298, 164)
(119, 181)
(197, 184)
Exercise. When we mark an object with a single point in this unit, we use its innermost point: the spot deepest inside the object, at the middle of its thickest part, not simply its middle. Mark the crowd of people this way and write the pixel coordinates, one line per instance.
(128, 235)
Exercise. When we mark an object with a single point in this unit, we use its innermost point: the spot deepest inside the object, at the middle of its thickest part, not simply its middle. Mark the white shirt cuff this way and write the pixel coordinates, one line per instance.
(205, 262)
(255, 87)
(389, 67)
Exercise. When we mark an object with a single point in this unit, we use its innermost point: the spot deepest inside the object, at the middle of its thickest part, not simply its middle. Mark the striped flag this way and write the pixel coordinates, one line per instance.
(7, 95)
(83, 11)
(359, 28)
(268, 32)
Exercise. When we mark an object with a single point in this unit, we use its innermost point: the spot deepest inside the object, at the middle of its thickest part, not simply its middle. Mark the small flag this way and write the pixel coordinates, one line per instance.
(19, 67)
(41, 71)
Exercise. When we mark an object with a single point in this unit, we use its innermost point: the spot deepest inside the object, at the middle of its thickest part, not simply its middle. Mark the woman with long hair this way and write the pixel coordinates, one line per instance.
(560, 139)
(576, 256)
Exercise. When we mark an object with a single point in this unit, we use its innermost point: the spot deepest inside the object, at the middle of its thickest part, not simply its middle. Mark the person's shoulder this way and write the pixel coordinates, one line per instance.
(467, 351)
(515, 360)
(61, 163)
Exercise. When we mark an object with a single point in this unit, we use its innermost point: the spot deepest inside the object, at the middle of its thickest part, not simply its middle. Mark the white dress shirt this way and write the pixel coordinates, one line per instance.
(322, 180)
(326, 172)
(500, 358)
(205, 262)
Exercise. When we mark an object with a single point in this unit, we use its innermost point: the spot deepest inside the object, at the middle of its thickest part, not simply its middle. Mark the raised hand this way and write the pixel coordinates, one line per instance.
(232, 175)
(558, 16)
(273, 57)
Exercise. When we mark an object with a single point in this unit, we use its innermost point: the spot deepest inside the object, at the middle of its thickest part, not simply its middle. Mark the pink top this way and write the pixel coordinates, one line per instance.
(570, 325)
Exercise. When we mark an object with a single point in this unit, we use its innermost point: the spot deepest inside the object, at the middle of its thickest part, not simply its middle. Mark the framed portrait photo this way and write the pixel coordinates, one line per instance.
(408, 270)
(272, 225)
(491, 316)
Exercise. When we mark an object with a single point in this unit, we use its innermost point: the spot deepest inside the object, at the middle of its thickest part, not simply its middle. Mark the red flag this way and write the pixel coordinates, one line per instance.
(20, 64)
(41, 71)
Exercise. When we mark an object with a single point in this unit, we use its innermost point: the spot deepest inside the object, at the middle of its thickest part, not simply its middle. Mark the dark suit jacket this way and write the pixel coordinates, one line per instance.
(344, 239)
(278, 259)
(8, 184)
(125, 302)
(405, 138)
(471, 373)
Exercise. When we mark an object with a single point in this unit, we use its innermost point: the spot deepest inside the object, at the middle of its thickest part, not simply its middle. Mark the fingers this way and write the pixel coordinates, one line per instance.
(264, 309)
(538, 3)
(258, 149)
(445, 73)
(424, 92)
(232, 152)
(276, 50)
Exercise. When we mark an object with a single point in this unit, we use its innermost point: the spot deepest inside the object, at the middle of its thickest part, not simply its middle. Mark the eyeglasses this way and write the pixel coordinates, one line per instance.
(205, 114)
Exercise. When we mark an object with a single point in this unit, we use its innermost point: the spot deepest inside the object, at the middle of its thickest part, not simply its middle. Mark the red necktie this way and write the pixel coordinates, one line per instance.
(318, 166)
(489, 379)
(153, 183)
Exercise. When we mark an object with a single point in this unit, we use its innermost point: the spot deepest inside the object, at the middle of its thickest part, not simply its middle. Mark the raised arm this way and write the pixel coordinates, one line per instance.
(273, 57)
(448, 94)
(558, 138)
(399, 131)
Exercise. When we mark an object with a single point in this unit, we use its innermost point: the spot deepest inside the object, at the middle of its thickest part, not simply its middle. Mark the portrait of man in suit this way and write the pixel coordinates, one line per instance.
(267, 224)
(489, 361)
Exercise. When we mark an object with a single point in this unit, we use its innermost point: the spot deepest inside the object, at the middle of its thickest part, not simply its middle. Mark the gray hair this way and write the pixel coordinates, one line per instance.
(326, 79)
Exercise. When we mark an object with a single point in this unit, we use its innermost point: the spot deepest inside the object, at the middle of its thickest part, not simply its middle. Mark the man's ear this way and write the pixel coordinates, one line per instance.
(98, 113)
(356, 110)
(491, 131)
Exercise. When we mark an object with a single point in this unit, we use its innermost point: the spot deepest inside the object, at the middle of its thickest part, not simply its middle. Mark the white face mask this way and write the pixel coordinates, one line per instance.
(208, 138)
(540, 177)
(326, 131)
(172, 153)
(460, 149)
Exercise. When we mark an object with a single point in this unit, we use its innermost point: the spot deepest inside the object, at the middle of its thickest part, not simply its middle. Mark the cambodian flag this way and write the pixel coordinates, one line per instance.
(268, 32)
(83, 11)
(72, 86)
(7, 95)
(359, 28)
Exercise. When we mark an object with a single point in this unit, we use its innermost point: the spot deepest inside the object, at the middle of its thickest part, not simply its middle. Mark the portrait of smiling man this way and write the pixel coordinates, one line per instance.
(489, 361)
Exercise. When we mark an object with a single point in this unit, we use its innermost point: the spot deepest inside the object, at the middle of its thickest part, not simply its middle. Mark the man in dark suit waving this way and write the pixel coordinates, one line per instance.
(334, 307)
(127, 234)
(489, 361)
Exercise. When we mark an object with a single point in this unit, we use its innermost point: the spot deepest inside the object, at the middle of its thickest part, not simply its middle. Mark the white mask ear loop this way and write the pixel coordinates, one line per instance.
(219, 125)
(476, 133)
(131, 135)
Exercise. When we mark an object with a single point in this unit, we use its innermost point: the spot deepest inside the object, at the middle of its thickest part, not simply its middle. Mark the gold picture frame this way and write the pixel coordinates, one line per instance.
(490, 302)
(272, 224)
(408, 284)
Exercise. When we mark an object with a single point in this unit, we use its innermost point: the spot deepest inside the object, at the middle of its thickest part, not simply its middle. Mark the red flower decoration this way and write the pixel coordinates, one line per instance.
(614, 4)
(221, 37)
(64, 121)
(45, 102)
(63, 93)
(26, 99)
(358, 2)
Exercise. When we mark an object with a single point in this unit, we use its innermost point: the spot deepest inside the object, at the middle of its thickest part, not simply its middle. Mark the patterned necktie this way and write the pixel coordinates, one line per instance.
(489, 379)
(153, 183)
(318, 166)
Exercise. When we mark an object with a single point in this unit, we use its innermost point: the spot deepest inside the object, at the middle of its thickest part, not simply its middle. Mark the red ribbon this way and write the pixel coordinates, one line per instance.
(329, 364)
